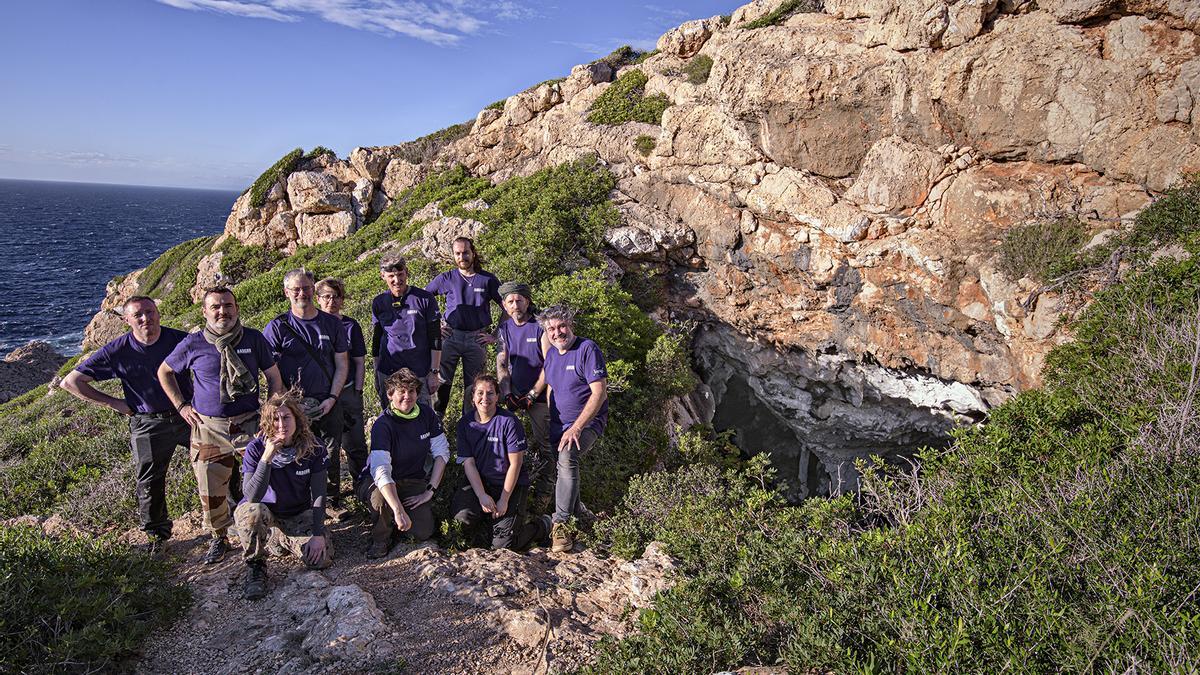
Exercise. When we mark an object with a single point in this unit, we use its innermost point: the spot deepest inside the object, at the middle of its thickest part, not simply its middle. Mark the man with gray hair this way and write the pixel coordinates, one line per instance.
(155, 427)
(310, 349)
(577, 377)
(405, 330)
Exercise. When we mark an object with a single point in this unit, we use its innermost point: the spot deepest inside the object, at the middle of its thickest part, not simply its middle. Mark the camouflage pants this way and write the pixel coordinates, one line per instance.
(217, 443)
(257, 525)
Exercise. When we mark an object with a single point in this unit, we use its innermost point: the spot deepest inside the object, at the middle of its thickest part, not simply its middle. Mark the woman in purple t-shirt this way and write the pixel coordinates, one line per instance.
(491, 449)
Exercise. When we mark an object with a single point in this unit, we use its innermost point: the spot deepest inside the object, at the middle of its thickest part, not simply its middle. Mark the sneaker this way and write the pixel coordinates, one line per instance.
(378, 549)
(216, 550)
(256, 580)
(561, 539)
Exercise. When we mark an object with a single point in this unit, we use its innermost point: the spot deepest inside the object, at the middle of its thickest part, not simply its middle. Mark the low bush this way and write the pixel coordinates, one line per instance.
(1041, 250)
(241, 262)
(644, 144)
(78, 604)
(625, 101)
(318, 151)
(278, 171)
(698, 68)
(428, 146)
(785, 10)
(183, 277)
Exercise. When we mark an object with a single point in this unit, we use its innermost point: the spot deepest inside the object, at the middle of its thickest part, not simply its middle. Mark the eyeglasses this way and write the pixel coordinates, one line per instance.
(329, 296)
(299, 289)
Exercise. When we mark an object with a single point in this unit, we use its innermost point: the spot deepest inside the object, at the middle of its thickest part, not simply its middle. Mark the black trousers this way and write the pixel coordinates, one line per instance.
(508, 531)
(153, 441)
(329, 430)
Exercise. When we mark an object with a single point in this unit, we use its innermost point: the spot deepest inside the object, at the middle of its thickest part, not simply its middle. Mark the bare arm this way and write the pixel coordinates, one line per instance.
(341, 368)
(502, 374)
(359, 366)
(510, 481)
(166, 377)
(597, 398)
(79, 385)
(274, 381)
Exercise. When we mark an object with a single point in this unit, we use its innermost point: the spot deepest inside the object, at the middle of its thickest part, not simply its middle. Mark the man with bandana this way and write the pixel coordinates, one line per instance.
(225, 359)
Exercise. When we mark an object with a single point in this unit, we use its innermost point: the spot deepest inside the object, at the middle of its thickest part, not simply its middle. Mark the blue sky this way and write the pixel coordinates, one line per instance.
(208, 93)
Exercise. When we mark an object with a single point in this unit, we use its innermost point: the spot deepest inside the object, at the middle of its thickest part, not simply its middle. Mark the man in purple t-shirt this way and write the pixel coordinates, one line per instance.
(521, 346)
(465, 321)
(310, 349)
(405, 330)
(578, 381)
(225, 359)
(155, 427)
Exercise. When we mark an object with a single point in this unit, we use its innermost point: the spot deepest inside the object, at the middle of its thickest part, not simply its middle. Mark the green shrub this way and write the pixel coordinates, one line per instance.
(547, 223)
(644, 144)
(641, 58)
(318, 151)
(278, 171)
(78, 604)
(785, 10)
(428, 146)
(160, 275)
(668, 364)
(241, 262)
(622, 56)
(1041, 250)
(625, 101)
(698, 68)
(183, 277)
(605, 313)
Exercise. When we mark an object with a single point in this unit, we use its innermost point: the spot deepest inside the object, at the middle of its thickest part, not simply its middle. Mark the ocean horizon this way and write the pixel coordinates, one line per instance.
(66, 240)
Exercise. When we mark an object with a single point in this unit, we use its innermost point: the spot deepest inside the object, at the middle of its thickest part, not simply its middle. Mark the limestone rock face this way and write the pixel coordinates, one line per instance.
(311, 192)
(319, 228)
(400, 176)
(26, 367)
(896, 176)
(686, 40)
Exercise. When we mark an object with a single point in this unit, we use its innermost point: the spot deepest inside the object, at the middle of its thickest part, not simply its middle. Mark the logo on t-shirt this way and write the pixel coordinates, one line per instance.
(322, 336)
(571, 367)
(531, 339)
(494, 439)
(304, 472)
(599, 371)
(411, 311)
(244, 351)
(425, 435)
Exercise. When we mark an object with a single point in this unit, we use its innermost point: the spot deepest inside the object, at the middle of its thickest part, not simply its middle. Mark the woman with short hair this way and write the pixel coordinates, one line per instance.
(284, 472)
(331, 296)
(395, 486)
(491, 449)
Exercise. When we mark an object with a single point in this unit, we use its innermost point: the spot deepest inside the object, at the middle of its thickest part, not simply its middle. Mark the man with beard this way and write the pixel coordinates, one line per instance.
(468, 290)
(224, 359)
(405, 330)
(155, 427)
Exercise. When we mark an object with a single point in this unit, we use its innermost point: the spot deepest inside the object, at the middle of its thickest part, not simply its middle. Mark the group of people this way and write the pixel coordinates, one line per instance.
(201, 391)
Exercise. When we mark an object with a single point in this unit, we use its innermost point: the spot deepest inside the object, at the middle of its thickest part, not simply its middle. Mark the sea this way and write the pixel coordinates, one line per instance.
(61, 243)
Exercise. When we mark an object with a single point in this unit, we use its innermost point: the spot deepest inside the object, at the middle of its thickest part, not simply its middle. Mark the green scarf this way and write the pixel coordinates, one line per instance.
(236, 379)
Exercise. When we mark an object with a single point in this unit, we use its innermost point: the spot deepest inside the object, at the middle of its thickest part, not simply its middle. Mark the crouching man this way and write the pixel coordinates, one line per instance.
(284, 479)
(491, 449)
(403, 438)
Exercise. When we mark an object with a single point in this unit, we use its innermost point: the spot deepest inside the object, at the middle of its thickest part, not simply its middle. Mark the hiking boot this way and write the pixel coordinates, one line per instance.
(562, 540)
(547, 525)
(216, 550)
(155, 545)
(378, 549)
(256, 580)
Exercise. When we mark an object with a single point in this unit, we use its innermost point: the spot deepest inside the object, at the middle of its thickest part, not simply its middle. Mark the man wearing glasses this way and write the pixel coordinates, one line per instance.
(310, 348)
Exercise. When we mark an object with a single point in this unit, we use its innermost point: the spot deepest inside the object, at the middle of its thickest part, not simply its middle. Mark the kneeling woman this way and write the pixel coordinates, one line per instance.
(284, 472)
(491, 449)
(396, 488)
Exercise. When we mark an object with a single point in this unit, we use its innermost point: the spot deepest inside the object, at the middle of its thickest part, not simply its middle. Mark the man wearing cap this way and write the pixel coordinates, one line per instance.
(405, 330)
(310, 349)
(578, 380)
(155, 427)
(225, 359)
(521, 346)
(468, 290)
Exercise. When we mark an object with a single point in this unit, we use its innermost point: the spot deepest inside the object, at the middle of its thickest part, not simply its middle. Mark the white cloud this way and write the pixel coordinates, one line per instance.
(441, 23)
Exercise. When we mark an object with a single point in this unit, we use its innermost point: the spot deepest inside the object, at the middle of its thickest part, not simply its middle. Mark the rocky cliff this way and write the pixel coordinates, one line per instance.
(829, 200)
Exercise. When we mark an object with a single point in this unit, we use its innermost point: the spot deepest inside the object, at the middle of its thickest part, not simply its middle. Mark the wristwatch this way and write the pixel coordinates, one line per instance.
(431, 487)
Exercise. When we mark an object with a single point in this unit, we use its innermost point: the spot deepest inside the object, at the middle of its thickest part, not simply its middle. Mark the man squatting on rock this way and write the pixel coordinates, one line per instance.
(405, 330)
(225, 359)
(155, 426)
(331, 294)
(284, 482)
(491, 450)
(578, 380)
(310, 347)
(465, 322)
(396, 488)
(521, 346)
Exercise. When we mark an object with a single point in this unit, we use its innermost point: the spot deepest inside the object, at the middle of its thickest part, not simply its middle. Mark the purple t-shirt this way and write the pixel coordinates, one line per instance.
(195, 354)
(524, 347)
(289, 488)
(490, 444)
(323, 332)
(406, 323)
(355, 340)
(408, 441)
(569, 376)
(467, 298)
(136, 365)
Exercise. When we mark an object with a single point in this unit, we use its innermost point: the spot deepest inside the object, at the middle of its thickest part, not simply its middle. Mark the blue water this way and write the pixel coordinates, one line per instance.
(63, 242)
